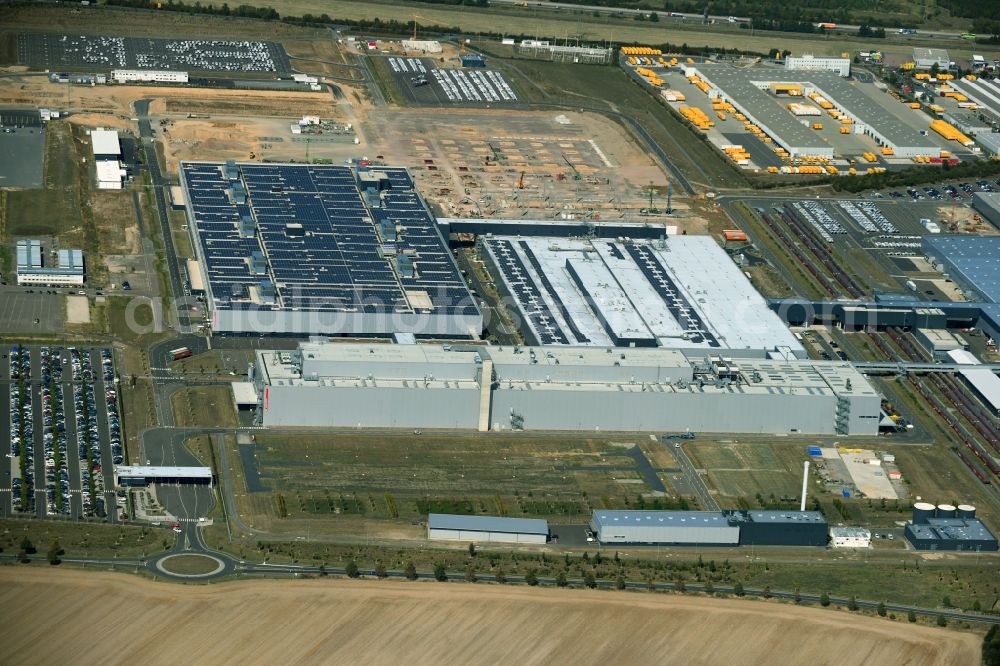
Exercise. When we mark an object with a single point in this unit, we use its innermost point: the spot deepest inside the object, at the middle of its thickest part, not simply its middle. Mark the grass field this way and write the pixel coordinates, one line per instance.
(740, 472)
(87, 539)
(56, 209)
(203, 406)
(364, 477)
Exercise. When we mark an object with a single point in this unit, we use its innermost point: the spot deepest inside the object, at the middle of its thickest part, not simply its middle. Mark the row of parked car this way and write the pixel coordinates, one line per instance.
(22, 435)
(54, 434)
(88, 435)
(111, 397)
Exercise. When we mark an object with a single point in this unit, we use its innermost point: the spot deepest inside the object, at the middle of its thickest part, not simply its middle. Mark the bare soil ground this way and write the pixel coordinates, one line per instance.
(340, 621)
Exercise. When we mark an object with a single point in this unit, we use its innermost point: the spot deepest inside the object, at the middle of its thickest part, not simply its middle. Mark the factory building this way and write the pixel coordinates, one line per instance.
(487, 529)
(850, 537)
(550, 388)
(31, 268)
(810, 63)
(938, 342)
(749, 91)
(973, 262)
(633, 293)
(107, 151)
(946, 527)
(143, 475)
(317, 249)
(148, 76)
(987, 204)
(710, 528)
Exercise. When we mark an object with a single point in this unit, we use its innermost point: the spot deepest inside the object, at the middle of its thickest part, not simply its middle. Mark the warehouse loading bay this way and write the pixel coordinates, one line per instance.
(850, 150)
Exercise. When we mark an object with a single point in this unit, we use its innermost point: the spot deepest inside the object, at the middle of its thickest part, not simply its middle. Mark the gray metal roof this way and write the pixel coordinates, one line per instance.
(661, 518)
(850, 532)
(447, 521)
(787, 517)
(974, 260)
(956, 529)
(738, 85)
(164, 472)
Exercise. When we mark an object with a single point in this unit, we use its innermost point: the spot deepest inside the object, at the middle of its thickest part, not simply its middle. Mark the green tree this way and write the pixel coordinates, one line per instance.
(499, 576)
(380, 570)
(410, 571)
(767, 592)
(797, 596)
(470, 574)
(824, 600)
(440, 574)
(881, 609)
(946, 602)
(561, 579)
(991, 646)
(589, 580)
(351, 569)
(911, 617)
(55, 550)
(531, 578)
(941, 621)
(738, 589)
(620, 582)
(322, 570)
(27, 546)
(22, 556)
(709, 587)
(852, 603)
(472, 549)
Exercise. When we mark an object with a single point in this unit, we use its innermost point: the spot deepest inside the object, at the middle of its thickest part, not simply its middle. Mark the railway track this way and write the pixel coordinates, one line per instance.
(957, 395)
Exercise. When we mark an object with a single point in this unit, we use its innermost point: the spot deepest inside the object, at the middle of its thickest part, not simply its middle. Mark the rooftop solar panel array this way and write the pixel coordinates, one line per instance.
(545, 327)
(676, 302)
(319, 231)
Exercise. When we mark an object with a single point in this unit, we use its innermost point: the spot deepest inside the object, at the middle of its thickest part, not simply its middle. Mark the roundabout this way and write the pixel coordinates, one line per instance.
(190, 565)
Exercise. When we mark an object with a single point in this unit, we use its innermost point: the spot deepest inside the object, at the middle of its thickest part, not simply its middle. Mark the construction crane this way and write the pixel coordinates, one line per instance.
(423, 18)
(576, 174)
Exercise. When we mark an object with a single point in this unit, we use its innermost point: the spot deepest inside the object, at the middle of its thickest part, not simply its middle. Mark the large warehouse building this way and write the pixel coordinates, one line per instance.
(973, 262)
(710, 528)
(558, 388)
(491, 529)
(748, 91)
(678, 292)
(335, 250)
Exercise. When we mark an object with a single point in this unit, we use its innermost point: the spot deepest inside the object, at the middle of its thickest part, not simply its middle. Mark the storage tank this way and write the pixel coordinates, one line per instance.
(921, 512)
(966, 511)
(945, 511)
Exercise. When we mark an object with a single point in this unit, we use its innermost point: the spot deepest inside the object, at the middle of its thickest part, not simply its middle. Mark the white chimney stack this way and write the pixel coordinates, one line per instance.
(805, 483)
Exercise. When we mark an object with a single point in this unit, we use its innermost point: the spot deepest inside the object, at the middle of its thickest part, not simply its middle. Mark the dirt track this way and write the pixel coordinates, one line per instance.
(341, 621)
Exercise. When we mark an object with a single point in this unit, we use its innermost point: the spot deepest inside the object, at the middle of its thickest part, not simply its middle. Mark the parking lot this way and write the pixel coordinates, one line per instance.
(23, 149)
(102, 53)
(31, 310)
(63, 429)
(421, 82)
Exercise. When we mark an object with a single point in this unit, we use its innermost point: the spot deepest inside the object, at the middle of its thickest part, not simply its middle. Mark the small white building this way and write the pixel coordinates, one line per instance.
(109, 175)
(422, 45)
(148, 76)
(443, 526)
(811, 63)
(850, 537)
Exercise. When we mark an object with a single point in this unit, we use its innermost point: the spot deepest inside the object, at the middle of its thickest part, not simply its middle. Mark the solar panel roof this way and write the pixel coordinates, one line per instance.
(331, 240)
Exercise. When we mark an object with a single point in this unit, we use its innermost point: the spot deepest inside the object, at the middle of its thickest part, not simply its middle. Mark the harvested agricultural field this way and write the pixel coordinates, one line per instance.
(379, 622)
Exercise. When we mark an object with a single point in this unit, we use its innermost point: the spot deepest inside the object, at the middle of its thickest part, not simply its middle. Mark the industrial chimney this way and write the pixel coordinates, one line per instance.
(805, 482)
